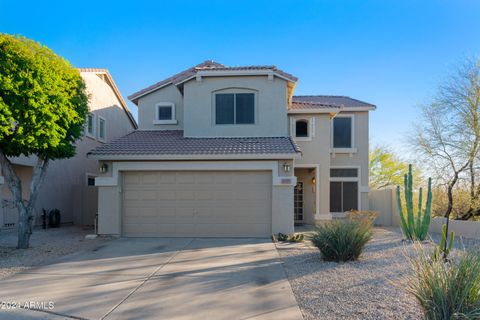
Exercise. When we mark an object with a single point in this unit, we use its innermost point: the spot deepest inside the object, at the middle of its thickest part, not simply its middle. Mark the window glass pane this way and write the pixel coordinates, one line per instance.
(301, 128)
(90, 181)
(224, 108)
(342, 132)
(165, 113)
(101, 131)
(90, 124)
(349, 172)
(335, 196)
(350, 196)
(245, 108)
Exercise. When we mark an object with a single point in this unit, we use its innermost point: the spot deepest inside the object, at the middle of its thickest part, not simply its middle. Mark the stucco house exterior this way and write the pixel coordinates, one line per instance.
(69, 183)
(230, 151)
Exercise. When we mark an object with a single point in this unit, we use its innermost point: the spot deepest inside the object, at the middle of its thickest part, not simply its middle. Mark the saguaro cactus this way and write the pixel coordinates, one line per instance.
(414, 226)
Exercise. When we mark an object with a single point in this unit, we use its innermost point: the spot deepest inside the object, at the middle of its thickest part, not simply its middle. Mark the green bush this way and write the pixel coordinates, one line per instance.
(342, 240)
(447, 290)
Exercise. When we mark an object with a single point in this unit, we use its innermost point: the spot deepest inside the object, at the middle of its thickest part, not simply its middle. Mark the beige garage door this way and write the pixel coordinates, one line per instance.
(197, 203)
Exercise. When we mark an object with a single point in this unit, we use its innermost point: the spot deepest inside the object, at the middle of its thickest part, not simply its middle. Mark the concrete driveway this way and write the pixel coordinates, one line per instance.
(162, 278)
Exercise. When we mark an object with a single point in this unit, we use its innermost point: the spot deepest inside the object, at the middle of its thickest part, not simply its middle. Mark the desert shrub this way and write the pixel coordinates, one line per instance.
(342, 240)
(293, 237)
(447, 290)
(461, 201)
(363, 216)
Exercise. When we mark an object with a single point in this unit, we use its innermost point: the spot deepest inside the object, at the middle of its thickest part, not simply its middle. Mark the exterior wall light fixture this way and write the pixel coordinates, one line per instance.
(104, 168)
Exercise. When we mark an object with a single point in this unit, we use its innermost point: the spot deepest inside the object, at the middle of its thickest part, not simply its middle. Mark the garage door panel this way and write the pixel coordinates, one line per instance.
(185, 178)
(149, 179)
(204, 177)
(222, 178)
(207, 204)
(131, 179)
(223, 195)
(204, 195)
(165, 194)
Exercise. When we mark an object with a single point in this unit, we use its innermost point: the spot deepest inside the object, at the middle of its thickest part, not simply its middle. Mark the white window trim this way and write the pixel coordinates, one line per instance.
(235, 92)
(165, 104)
(350, 150)
(347, 179)
(310, 124)
(94, 122)
(104, 139)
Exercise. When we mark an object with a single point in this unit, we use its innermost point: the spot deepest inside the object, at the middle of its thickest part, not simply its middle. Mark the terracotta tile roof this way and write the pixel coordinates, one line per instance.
(172, 142)
(334, 101)
(301, 105)
(205, 66)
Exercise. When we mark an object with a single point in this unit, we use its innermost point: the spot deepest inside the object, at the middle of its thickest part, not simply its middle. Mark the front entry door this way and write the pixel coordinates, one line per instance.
(298, 202)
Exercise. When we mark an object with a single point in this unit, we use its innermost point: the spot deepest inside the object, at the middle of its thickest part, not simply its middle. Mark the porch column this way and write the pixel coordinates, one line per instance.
(323, 193)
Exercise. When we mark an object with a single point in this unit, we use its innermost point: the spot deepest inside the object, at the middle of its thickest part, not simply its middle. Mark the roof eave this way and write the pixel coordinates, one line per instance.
(233, 73)
(330, 110)
(166, 157)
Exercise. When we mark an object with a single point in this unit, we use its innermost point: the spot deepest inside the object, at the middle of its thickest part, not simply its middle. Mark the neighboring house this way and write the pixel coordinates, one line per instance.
(69, 183)
(229, 151)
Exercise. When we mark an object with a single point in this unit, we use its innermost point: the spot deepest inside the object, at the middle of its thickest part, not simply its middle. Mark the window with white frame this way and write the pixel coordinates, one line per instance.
(165, 113)
(234, 108)
(102, 129)
(90, 125)
(344, 191)
(301, 128)
(342, 134)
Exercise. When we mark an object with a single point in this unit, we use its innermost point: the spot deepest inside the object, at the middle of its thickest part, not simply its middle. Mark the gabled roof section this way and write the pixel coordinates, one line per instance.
(171, 144)
(212, 68)
(105, 76)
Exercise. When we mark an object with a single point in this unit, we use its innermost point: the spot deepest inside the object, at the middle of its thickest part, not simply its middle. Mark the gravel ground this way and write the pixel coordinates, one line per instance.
(45, 245)
(371, 288)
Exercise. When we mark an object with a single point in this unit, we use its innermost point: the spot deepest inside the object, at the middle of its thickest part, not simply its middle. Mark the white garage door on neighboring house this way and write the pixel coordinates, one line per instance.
(197, 203)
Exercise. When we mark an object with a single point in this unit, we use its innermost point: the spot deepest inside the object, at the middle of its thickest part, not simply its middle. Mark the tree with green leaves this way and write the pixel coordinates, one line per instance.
(448, 137)
(43, 106)
(386, 169)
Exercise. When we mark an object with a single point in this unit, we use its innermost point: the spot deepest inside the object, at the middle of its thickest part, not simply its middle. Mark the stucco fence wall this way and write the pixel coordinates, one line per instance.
(384, 201)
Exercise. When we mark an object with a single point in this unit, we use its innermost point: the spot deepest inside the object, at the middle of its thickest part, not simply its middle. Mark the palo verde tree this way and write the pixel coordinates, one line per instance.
(43, 106)
(448, 136)
(386, 169)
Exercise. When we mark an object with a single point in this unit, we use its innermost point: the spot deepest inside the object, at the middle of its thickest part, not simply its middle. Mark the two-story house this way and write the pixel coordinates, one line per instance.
(69, 183)
(229, 151)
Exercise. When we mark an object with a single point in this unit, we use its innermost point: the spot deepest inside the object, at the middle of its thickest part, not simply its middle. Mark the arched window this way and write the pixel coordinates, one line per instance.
(301, 128)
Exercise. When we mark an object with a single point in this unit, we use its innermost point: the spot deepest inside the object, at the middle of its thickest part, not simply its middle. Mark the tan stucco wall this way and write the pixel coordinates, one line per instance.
(271, 107)
(359, 158)
(110, 198)
(65, 179)
(147, 109)
(109, 211)
(317, 152)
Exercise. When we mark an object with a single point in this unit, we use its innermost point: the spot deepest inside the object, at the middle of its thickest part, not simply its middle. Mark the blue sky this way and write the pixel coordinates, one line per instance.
(390, 53)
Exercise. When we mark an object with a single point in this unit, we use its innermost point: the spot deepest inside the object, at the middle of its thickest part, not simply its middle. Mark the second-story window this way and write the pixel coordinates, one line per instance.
(343, 132)
(165, 113)
(234, 108)
(102, 129)
(301, 128)
(90, 125)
